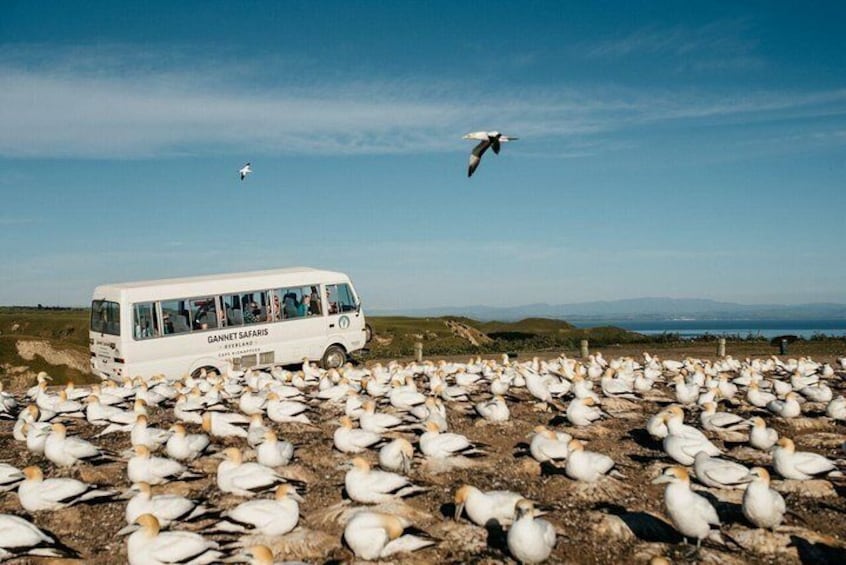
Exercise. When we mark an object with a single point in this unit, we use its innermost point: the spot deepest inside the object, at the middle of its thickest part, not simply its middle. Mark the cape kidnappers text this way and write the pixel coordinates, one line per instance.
(233, 336)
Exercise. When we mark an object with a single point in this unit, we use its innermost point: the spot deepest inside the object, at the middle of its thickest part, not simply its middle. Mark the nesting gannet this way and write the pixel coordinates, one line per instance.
(142, 434)
(268, 517)
(66, 451)
(377, 422)
(582, 411)
(166, 508)
(483, 507)
(221, 424)
(493, 410)
(286, 410)
(720, 421)
(36, 436)
(256, 430)
(799, 465)
(584, 465)
(491, 139)
(244, 171)
(530, 539)
(348, 439)
(548, 445)
(146, 468)
(19, 538)
(36, 493)
(371, 486)
(397, 456)
(146, 545)
(760, 436)
(762, 506)
(244, 479)
(719, 473)
(183, 446)
(10, 476)
(836, 409)
(439, 445)
(683, 442)
(375, 535)
(692, 515)
(787, 408)
(274, 453)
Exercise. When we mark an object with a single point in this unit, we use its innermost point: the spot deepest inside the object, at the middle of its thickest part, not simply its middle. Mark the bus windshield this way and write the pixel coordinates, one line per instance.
(105, 317)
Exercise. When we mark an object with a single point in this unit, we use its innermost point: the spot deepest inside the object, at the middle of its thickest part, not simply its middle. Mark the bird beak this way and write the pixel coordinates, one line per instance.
(129, 529)
(128, 494)
(296, 497)
(660, 479)
(459, 510)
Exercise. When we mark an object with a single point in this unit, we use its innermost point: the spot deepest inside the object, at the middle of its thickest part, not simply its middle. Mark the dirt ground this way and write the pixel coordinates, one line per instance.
(615, 521)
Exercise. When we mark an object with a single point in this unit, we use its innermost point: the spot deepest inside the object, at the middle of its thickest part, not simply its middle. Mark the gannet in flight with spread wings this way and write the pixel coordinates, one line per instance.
(487, 139)
(245, 170)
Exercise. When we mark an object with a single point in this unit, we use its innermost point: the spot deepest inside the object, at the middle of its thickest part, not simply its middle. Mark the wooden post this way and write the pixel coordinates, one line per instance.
(721, 347)
(418, 351)
(782, 347)
(583, 348)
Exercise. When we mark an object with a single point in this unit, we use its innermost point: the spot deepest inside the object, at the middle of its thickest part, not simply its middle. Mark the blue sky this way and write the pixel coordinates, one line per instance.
(682, 149)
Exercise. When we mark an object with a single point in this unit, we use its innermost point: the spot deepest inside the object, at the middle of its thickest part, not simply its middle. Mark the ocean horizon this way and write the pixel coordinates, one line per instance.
(691, 328)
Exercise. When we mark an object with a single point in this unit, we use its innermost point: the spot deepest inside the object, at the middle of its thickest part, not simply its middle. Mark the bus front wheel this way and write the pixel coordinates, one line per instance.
(334, 357)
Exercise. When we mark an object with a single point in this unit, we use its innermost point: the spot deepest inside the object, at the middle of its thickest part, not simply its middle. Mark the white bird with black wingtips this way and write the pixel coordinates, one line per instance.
(245, 170)
(492, 139)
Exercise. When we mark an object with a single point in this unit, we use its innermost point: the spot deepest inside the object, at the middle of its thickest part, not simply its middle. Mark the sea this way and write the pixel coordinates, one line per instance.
(690, 328)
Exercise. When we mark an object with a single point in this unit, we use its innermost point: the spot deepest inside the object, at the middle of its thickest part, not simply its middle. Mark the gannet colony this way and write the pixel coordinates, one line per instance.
(557, 460)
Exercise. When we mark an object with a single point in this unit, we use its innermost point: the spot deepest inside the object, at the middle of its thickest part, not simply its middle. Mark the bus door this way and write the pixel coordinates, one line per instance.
(345, 322)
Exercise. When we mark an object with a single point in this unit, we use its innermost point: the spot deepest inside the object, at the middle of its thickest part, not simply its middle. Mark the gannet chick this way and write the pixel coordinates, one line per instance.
(19, 538)
(397, 456)
(493, 410)
(370, 486)
(587, 466)
(530, 539)
(691, 514)
(147, 546)
(582, 411)
(491, 139)
(353, 440)
(548, 445)
(374, 535)
(719, 473)
(761, 437)
(274, 517)
(799, 465)
(274, 453)
(787, 408)
(762, 506)
(166, 508)
(183, 446)
(146, 468)
(244, 479)
(485, 507)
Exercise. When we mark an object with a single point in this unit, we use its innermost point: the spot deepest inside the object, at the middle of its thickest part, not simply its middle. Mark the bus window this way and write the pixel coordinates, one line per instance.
(105, 317)
(314, 308)
(174, 317)
(203, 313)
(144, 322)
(254, 307)
(232, 307)
(346, 300)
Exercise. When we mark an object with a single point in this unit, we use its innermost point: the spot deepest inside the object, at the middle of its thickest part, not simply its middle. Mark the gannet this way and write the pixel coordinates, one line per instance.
(819, 392)
(221, 424)
(483, 507)
(19, 538)
(10, 477)
(244, 171)
(530, 539)
(36, 493)
(683, 441)
(493, 410)
(142, 434)
(353, 440)
(375, 535)
(145, 468)
(67, 451)
(147, 546)
(719, 473)
(720, 421)
(183, 446)
(251, 403)
(36, 436)
(166, 508)
(8, 404)
(397, 456)
(762, 506)
(256, 430)
(273, 517)
(376, 422)
(287, 410)
(491, 139)
(272, 452)
(582, 411)
(787, 408)
(836, 409)
(548, 445)
(760, 436)
(692, 515)
(371, 486)
(244, 479)
(799, 465)
(584, 465)
(439, 445)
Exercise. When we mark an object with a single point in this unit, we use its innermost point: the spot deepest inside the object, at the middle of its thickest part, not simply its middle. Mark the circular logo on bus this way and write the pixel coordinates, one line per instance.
(344, 322)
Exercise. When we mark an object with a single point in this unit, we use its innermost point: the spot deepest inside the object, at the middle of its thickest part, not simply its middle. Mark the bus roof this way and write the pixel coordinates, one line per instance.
(215, 284)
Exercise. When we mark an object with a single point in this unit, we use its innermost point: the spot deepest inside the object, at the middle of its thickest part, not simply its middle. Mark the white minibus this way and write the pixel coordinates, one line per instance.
(236, 321)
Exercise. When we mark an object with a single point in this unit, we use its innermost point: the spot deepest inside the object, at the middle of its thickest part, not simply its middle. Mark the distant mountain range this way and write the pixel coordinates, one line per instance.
(634, 309)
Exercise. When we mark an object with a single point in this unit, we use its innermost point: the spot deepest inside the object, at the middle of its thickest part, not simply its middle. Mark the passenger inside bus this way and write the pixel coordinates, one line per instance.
(314, 302)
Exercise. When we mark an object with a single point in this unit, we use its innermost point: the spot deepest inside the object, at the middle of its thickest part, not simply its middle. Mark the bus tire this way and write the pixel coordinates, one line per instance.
(333, 357)
(209, 368)
(368, 333)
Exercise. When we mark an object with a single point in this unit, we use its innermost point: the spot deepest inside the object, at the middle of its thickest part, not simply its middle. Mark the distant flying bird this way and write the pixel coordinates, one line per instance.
(245, 170)
(488, 139)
